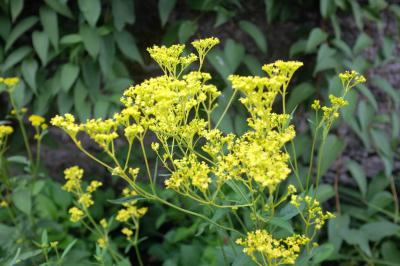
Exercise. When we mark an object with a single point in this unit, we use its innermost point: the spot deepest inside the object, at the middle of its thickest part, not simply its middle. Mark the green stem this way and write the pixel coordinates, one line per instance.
(226, 108)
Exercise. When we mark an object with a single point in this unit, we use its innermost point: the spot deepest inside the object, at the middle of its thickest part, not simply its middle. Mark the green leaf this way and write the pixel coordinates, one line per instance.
(255, 33)
(355, 6)
(363, 41)
(186, 30)
(324, 192)
(22, 199)
(357, 237)
(16, 7)
(283, 224)
(123, 12)
(336, 228)
(359, 175)
(253, 64)
(298, 48)
(91, 40)
(91, 10)
(41, 44)
(381, 141)
(299, 94)
(165, 8)
(234, 53)
(323, 252)
(123, 200)
(316, 37)
(101, 107)
(367, 93)
(69, 73)
(15, 57)
(20, 29)
(385, 86)
(64, 102)
(390, 252)
(127, 45)
(376, 231)
(81, 105)
(217, 60)
(49, 21)
(223, 15)
(333, 148)
(71, 39)
(68, 248)
(326, 59)
(379, 201)
(29, 68)
(60, 7)
(327, 8)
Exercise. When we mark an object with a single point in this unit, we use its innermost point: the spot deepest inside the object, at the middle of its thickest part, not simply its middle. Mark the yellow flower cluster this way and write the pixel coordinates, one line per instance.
(274, 251)
(127, 232)
(5, 131)
(314, 214)
(73, 176)
(3, 204)
(130, 210)
(76, 214)
(351, 79)
(36, 120)
(66, 123)
(10, 82)
(189, 172)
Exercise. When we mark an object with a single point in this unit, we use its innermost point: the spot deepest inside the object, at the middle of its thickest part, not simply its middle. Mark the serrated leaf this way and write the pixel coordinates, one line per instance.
(359, 175)
(49, 21)
(91, 10)
(20, 29)
(255, 33)
(127, 45)
(186, 30)
(91, 40)
(315, 38)
(60, 7)
(40, 42)
(16, 7)
(69, 74)
(15, 57)
(123, 12)
(165, 8)
(29, 68)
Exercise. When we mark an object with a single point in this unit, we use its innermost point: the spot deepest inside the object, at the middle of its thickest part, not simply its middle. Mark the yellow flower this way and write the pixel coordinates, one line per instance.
(86, 200)
(93, 186)
(102, 242)
(54, 244)
(3, 204)
(128, 232)
(5, 131)
(316, 105)
(76, 214)
(104, 223)
(36, 120)
(10, 82)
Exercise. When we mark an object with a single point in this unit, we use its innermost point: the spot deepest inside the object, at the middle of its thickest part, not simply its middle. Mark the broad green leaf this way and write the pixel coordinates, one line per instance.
(381, 141)
(367, 93)
(91, 10)
(15, 57)
(300, 93)
(316, 37)
(332, 149)
(223, 15)
(344, 47)
(64, 102)
(327, 8)
(123, 12)
(234, 53)
(323, 252)
(186, 30)
(29, 68)
(107, 57)
(253, 64)
(16, 7)
(255, 33)
(68, 248)
(336, 228)
(82, 106)
(363, 41)
(91, 40)
(324, 192)
(101, 107)
(69, 73)
(127, 45)
(376, 231)
(71, 39)
(359, 175)
(298, 48)
(357, 237)
(217, 59)
(41, 44)
(49, 21)
(5, 27)
(326, 59)
(283, 224)
(379, 201)
(20, 29)
(21, 198)
(165, 8)
(60, 7)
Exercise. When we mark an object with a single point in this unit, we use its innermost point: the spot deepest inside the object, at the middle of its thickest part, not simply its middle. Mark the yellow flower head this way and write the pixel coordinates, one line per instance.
(5, 131)
(102, 242)
(93, 186)
(54, 244)
(127, 232)
(3, 204)
(76, 214)
(104, 223)
(10, 82)
(351, 79)
(86, 200)
(316, 105)
(36, 120)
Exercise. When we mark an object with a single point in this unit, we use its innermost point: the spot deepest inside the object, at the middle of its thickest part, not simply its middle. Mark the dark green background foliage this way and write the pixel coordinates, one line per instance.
(79, 56)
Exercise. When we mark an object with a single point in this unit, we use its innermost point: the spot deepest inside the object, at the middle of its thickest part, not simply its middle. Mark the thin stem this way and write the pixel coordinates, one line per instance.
(226, 108)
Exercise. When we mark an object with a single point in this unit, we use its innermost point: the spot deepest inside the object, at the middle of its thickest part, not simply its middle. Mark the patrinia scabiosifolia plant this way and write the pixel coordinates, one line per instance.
(241, 174)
